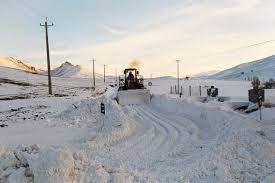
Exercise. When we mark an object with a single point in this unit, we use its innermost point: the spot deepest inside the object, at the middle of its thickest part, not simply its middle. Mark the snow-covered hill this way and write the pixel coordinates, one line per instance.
(205, 74)
(264, 69)
(69, 70)
(11, 62)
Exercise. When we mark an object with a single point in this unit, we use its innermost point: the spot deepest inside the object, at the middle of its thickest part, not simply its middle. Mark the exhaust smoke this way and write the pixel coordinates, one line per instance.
(135, 64)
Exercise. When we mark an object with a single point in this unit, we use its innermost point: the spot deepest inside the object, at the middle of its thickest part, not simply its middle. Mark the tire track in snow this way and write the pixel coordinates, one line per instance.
(139, 144)
(147, 143)
(145, 134)
(166, 133)
(204, 131)
(186, 139)
(160, 140)
(157, 136)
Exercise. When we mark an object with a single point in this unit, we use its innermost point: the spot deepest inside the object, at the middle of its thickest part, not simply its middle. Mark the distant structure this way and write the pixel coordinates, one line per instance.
(257, 93)
(212, 92)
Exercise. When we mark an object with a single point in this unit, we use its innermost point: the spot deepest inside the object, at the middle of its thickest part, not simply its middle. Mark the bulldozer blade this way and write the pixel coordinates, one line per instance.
(134, 97)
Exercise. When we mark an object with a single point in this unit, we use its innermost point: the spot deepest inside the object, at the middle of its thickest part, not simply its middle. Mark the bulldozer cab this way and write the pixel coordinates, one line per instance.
(131, 80)
(131, 74)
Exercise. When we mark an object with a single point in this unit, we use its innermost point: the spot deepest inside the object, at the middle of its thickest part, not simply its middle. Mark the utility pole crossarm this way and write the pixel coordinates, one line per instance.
(46, 23)
(49, 25)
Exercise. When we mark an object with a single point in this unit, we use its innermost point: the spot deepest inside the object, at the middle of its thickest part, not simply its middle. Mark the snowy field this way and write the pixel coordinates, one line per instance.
(65, 138)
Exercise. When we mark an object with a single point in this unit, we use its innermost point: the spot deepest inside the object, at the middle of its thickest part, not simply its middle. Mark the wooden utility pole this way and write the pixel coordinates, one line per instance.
(94, 72)
(116, 75)
(104, 73)
(46, 25)
(178, 75)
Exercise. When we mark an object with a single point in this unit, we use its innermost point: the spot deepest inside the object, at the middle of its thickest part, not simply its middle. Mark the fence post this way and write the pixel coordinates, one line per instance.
(200, 90)
(175, 89)
(181, 90)
(190, 93)
(171, 90)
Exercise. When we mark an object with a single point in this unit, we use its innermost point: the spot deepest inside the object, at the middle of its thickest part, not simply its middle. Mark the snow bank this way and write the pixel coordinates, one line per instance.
(105, 129)
(35, 164)
(13, 166)
(237, 148)
(53, 166)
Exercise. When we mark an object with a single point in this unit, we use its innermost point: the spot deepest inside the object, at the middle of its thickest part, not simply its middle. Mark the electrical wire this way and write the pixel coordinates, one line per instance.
(34, 10)
(235, 49)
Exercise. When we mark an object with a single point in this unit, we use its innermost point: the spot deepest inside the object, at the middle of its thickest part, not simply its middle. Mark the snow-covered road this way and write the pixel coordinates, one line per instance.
(154, 146)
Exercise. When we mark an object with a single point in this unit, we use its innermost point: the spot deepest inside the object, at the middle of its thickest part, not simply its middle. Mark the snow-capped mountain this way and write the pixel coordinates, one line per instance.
(69, 70)
(264, 69)
(11, 62)
(66, 70)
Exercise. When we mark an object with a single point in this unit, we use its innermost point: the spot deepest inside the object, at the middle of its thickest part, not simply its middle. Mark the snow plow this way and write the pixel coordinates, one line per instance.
(131, 90)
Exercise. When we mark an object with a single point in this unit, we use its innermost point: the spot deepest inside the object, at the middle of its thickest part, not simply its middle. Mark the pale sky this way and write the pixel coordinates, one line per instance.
(204, 34)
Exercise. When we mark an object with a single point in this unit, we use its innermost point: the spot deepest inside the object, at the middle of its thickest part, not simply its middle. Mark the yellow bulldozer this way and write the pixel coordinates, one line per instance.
(131, 89)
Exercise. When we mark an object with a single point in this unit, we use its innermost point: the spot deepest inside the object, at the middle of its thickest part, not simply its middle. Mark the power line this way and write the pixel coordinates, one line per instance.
(236, 49)
(27, 5)
(257, 44)
(34, 10)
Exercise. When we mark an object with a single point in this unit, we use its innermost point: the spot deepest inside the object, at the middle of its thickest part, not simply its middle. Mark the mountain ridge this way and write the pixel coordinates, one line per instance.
(67, 69)
(11, 62)
(262, 68)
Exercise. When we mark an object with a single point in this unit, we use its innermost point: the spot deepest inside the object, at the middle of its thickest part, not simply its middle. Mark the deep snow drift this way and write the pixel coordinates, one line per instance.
(69, 160)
